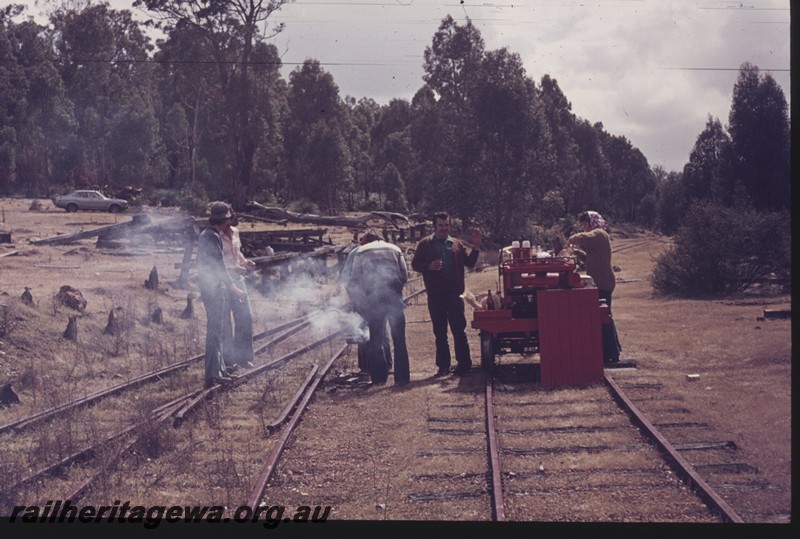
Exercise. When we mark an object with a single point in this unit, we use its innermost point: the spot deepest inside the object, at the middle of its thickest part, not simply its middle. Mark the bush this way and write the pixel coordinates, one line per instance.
(552, 207)
(304, 205)
(194, 198)
(720, 250)
(167, 198)
(373, 203)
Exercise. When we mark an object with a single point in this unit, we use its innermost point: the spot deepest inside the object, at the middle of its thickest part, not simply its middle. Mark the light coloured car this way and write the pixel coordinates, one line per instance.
(90, 200)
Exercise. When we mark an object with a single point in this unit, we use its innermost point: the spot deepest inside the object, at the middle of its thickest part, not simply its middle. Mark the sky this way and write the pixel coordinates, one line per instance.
(649, 70)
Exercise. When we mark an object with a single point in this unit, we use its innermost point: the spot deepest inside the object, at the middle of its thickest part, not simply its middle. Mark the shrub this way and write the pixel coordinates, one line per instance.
(167, 198)
(304, 205)
(194, 198)
(720, 250)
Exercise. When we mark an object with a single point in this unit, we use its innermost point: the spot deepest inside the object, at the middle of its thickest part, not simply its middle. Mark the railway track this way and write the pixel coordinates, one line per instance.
(560, 455)
(589, 455)
(67, 448)
(87, 467)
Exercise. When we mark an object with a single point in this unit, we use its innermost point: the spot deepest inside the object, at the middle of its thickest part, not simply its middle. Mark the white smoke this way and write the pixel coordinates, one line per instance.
(325, 301)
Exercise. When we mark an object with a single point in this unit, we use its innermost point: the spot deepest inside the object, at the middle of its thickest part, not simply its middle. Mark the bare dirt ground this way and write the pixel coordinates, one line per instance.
(355, 449)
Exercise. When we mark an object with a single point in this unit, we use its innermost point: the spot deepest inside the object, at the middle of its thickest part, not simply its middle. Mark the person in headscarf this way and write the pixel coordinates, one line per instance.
(596, 245)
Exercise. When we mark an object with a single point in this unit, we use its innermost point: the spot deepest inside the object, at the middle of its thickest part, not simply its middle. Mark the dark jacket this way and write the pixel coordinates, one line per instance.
(436, 282)
(212, 275)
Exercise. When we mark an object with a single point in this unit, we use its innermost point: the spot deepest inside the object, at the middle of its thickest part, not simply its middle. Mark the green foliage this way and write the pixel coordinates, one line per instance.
(394, 188)
(371, 203)
(720, 250)
(552, 208)
(670, 201)
(168, 198)
(760, 140)
(479, 139)
(303, 205)
(194, 198)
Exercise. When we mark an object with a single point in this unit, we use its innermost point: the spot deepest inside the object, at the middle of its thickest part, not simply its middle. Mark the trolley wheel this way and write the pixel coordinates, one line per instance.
(487, 351)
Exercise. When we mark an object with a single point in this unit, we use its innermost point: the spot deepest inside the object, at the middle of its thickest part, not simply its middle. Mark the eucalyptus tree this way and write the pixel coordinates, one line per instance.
(362, 115)
(36, 120)
(760, 133)
(424, 186)
(562, 174)
(394, 188)
(513, 144)
(269, 109)
(391, 143)
(671, 202)
(703, 174)
(102, 56)
(13, 88)
(452, 61)
(630, 181)
(452, 69)
(232, 32)
(189, 90)
(316, 117)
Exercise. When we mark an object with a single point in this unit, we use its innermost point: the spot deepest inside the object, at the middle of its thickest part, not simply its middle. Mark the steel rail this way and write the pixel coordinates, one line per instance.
(498, 507)
(295, 399)
(180, 415)
(274, 455)
(632, 245)
(77, 492)
(679, 464)
(27, 421)
(412, 296)
(86, 451)
(283, 336)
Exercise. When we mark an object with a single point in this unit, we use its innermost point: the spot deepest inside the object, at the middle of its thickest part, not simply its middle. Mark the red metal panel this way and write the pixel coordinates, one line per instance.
(569, 337)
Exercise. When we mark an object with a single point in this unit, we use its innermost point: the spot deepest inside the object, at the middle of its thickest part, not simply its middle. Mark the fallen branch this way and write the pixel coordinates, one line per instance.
(107, 231)
(334, 220)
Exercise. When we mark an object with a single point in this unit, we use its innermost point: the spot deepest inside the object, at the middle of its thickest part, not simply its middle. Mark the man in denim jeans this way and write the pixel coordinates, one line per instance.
(441, 260)
(217, 289)
(375, 285)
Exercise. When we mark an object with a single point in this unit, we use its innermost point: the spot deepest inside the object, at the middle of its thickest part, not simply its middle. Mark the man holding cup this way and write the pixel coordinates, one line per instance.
(441, 260)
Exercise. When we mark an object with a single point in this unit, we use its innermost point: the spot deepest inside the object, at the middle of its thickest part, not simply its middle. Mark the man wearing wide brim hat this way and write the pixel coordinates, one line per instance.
(216, 289)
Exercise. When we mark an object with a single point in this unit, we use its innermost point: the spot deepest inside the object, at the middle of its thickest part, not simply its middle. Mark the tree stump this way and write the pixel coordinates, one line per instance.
(152, 281)
(188, 312)
(27, 297)
(71, 332)
(157, 316)
(114, 324)
(8, 396)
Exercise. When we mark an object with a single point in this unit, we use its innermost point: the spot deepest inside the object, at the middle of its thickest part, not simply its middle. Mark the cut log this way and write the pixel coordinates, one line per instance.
(108, 232)
(71, 297)
(263, 219)
(777, 313)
